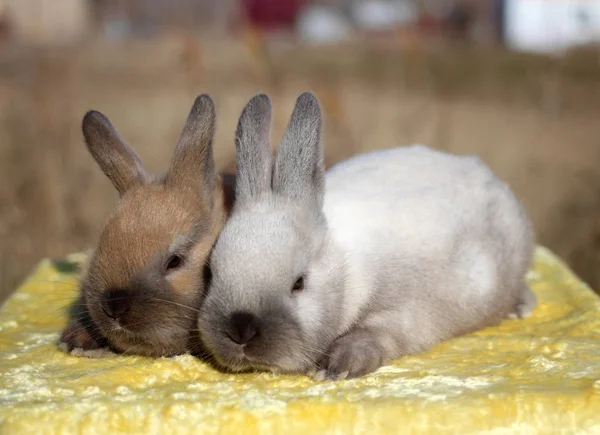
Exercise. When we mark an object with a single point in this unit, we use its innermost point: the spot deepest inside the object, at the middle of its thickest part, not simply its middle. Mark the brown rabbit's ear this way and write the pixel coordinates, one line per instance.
(116, 159)
(193, 162)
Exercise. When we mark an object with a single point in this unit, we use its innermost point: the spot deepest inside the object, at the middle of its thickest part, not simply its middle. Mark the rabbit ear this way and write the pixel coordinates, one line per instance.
(253, 149)
(299, 169)
(193, 162)
(116, 159)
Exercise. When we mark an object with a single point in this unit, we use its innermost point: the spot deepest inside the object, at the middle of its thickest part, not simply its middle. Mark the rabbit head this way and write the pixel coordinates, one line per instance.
(267, 306)
(144, 280)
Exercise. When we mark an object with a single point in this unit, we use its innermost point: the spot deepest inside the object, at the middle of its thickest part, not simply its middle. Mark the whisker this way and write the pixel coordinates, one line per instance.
(129, 349)
(50, 281)
(141, 322)
(175, 303)
(71, 334)
(54, 313)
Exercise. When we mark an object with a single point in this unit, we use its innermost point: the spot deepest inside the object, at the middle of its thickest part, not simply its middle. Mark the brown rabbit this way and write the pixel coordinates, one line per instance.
(142, 284)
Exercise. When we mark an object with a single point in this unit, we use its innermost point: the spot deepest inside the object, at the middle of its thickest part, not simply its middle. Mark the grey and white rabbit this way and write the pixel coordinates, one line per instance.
(388, 254)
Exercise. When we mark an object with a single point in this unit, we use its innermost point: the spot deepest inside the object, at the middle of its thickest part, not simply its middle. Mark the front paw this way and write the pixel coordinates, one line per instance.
(78, 341)
(351, 356)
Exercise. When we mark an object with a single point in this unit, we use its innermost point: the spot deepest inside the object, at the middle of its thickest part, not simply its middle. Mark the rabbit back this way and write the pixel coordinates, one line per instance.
(434, 236)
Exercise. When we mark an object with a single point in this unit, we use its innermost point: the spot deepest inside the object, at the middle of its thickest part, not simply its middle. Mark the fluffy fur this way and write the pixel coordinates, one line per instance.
(391, 253)
(143, 282)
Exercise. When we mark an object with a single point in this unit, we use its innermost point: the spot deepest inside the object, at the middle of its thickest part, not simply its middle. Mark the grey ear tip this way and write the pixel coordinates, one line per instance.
(203, 102)
(93, 116)
(308, 97)
(308, 101)
(261, 100)
(257, 110)
(203, 98)
(307, 94)
(93, 120)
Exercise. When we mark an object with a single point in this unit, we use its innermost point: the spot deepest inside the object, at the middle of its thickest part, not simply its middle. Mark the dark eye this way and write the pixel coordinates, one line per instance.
(206, 275)
(298, 285)
(174, 262)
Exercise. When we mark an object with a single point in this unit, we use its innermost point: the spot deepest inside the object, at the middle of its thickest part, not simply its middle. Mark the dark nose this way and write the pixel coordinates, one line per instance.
(243, 327)
(116, 303)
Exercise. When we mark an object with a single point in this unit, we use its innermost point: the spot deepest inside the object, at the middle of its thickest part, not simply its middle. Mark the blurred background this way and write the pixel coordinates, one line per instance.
(515, 81)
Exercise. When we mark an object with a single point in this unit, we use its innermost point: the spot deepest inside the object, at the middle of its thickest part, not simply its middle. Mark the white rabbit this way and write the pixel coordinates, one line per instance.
(391, 253)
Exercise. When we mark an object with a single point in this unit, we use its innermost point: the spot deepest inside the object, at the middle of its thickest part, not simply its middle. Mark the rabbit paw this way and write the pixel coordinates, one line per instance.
(351, 356)
(526, 305)
(77, 341)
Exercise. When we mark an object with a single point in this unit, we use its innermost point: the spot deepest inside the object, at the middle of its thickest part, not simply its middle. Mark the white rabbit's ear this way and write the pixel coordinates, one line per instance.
(253, 150)
(193, 162)
(299, 168)
(116, 159)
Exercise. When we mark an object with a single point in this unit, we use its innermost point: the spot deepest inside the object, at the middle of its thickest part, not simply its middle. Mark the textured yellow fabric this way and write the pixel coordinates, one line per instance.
(539, 375)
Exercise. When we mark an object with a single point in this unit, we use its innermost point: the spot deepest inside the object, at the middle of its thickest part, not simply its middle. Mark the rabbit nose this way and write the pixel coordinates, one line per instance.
(116, 303)
(243, 327)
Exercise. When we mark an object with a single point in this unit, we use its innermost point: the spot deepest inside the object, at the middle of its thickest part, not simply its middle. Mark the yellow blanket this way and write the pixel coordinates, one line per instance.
(539, 375)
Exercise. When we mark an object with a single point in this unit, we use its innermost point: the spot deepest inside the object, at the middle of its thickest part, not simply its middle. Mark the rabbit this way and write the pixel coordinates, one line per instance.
(142, 284)
(387, 254)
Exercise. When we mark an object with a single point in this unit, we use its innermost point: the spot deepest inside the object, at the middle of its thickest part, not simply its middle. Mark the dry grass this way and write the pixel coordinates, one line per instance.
(533, 120)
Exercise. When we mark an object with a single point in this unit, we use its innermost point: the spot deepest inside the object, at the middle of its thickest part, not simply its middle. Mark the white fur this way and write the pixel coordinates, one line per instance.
(398, 249)
(408, 203)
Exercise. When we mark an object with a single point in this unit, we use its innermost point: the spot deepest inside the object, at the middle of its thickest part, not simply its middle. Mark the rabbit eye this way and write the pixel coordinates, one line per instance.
(298, 285)
(174, 262)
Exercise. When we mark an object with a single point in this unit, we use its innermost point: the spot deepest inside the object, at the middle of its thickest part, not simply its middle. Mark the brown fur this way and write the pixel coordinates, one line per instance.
(133, 300)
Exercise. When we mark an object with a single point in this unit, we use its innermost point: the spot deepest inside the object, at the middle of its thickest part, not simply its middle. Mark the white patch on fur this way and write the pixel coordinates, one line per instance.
(345, 219)
(479, 268)
(311, 314)
(357, 295)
